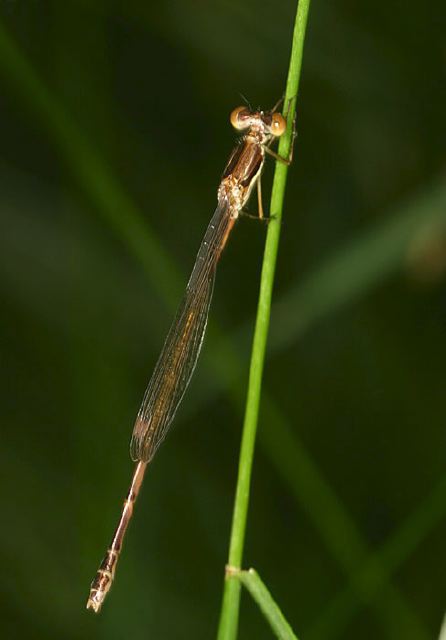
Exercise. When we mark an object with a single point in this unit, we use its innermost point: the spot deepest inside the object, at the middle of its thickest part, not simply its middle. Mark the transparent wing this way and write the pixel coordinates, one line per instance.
(182, 347)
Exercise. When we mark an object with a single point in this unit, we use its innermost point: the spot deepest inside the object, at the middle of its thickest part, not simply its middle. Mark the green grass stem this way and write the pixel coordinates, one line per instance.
(231, 598)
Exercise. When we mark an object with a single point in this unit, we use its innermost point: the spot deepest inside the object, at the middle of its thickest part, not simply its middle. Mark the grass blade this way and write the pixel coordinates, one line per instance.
(252, 582)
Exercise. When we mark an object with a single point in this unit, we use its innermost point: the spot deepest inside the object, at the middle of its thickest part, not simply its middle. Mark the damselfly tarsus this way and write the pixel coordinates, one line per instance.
(181, 349)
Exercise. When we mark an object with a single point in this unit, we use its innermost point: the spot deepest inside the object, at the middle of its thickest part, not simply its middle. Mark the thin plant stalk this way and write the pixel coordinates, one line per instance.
(231, 598)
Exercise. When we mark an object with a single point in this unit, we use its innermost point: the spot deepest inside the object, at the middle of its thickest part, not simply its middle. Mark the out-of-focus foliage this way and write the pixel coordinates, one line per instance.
(114, 131)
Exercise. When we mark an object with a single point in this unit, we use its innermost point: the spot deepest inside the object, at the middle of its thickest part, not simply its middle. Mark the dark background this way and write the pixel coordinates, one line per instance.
(114, 131)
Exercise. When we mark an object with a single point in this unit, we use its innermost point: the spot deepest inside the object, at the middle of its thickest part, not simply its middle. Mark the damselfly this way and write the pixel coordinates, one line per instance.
(182, 347)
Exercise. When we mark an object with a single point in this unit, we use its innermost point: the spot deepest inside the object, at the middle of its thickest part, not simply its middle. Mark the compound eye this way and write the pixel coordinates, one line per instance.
(240, 118)
(278, 124)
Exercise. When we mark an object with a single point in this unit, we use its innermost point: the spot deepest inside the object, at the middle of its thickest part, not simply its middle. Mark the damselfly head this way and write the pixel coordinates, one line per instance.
(272, 123)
